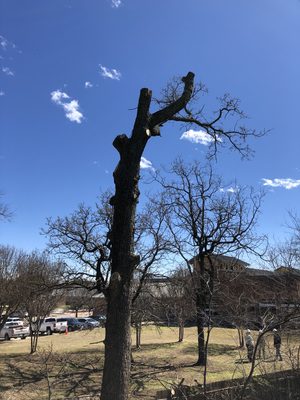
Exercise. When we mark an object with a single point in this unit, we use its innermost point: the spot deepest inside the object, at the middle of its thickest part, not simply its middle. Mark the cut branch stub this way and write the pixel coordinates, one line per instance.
(120, 143)
(155, 131)
(142, 111)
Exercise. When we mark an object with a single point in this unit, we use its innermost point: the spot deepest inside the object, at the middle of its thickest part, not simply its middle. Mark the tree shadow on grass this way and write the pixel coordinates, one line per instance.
(213, 349)
(62, 373)
(155, 346)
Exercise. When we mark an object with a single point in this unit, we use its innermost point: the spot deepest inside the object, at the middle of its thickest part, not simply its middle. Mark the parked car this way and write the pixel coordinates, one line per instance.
(89, 323)
(50, 325)
(14, 330)
(73, 323)
(100, 318)
(15, 319)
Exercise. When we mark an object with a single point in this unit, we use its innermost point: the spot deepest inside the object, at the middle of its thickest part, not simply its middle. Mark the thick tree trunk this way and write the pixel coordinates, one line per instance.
(201, 340)
(201, 303)
(203, 295)
(116, 374)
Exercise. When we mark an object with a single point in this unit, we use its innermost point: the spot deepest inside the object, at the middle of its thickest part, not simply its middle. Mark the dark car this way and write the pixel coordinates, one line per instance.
(100, 318)
(73, 323)
(89, 322)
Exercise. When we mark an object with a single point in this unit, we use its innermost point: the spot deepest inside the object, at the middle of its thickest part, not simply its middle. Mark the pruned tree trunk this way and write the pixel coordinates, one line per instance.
(116, 374)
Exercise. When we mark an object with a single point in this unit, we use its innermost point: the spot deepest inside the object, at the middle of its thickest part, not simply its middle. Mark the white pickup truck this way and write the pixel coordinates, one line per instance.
(50, 325)
(14, 330)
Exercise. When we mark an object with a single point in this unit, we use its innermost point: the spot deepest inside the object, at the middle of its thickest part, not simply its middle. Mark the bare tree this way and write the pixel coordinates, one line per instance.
(142, 313)
(284, 284)
(173, 301)
(39, 276)
(80, 297)
(176, 104)
(5, 212)
(174, 107)
(206, 220)
(82, 239)
(11, 287)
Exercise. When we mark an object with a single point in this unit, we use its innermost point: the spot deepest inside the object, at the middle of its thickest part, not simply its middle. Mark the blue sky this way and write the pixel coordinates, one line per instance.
(70, 75)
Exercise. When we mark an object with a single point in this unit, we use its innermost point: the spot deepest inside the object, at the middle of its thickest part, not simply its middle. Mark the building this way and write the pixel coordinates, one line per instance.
(251, 296)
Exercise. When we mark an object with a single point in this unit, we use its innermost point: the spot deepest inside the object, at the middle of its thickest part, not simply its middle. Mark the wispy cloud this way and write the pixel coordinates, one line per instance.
(3, 42)
(198, 137)
(230, 189)
(116, 3)
(7, 71)
(2, 93)
(71, 107)
(88, 84)
(286, 183)
(146, 164)
(7, 45)
(110, 73)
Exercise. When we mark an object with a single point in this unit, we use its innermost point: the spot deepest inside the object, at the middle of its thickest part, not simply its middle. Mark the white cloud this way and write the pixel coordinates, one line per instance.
(3, 42)
(8, 71)
(146, 164)
(71, 108)
(286, 183)
(116, 3)
(197, 137)
(88, 84)
(230, 190)
(110, 73)
(58, 95)
(72, 112)
(2, 93)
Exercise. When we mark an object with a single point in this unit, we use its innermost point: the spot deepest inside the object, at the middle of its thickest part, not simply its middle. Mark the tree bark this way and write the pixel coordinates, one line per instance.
(201, 304)
(117, 363)
(200, 320)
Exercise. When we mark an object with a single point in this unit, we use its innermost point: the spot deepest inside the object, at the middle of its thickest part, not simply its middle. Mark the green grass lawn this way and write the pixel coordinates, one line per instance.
(69, 365)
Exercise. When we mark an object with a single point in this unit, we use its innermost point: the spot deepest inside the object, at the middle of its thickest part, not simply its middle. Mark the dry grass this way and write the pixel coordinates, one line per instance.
(69, 365)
